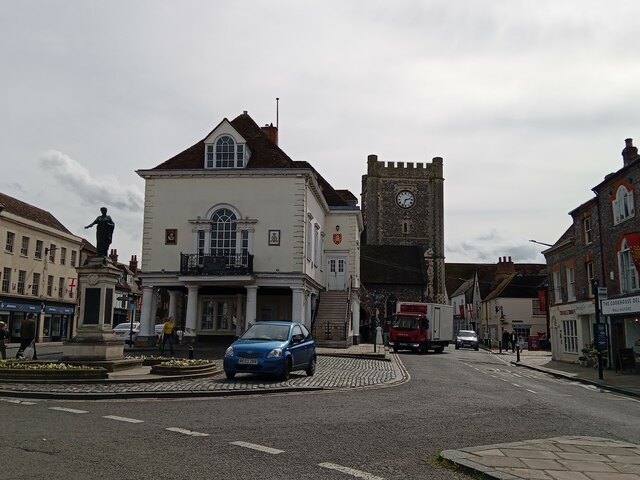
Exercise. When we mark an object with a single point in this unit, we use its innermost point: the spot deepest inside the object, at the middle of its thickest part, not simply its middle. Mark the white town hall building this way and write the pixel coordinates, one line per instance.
(237, 232)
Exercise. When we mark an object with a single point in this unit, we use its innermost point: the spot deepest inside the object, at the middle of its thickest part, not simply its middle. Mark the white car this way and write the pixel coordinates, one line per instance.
(122, 331)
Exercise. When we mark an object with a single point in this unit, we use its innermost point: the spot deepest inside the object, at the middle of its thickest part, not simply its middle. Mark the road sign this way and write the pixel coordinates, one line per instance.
(602, 293)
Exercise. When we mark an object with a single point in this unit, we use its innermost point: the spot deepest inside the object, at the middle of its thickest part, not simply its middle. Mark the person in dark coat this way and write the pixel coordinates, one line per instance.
(27, 335)
(513, 339)
(505, 340)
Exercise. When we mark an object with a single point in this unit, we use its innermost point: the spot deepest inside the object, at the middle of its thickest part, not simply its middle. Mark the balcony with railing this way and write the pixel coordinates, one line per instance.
(216, 265)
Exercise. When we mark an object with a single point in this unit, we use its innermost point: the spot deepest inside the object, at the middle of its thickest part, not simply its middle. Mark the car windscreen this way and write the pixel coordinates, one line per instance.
(466, 333)
(406, 323)
(267, 332)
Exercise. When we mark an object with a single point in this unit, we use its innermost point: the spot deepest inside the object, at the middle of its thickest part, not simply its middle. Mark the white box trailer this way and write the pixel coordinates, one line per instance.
(421, 326)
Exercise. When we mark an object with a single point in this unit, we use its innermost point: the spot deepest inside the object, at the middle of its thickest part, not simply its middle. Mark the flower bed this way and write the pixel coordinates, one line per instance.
(35, 370)
(183, 367)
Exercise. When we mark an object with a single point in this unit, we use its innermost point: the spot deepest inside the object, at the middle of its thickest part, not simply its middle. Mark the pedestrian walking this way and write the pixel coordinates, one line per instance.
(486, 338)
(505, 340)
(514, 340)
(27, 335)
(4, 335)
(167, 335)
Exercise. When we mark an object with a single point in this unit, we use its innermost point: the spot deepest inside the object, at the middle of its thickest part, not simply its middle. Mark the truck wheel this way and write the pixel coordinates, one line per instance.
(395, 349)
(439, 350)
(424, 349)
(457, 347)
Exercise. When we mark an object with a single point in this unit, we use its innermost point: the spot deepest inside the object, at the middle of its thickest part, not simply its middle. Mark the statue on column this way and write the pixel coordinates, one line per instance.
(104, 232)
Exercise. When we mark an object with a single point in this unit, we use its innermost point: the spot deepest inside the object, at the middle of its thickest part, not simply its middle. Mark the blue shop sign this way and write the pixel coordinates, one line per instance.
(19, 307)
(60, 310)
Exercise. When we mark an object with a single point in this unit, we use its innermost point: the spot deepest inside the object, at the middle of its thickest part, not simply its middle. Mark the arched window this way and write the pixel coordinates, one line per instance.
(226, 241)
(623, 205)
(225, 153)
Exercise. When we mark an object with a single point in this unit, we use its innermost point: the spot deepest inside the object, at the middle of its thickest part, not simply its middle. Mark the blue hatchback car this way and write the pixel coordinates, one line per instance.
(274, 348)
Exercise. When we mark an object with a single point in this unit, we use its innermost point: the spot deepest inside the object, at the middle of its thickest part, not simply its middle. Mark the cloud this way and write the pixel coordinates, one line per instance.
(79, 180)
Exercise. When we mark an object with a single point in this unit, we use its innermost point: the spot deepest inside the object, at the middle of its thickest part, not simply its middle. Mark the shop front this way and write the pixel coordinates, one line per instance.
(624, 316)
(54, 321)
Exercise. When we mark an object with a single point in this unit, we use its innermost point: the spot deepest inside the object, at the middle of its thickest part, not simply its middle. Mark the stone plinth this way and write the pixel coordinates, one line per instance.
(95, 341)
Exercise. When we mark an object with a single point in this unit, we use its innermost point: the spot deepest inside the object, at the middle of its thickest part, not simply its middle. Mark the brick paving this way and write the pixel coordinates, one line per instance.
(333, 372)
(560, 458)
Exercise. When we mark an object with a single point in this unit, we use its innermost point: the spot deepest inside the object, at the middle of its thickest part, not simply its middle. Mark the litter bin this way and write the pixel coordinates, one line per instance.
(533, 342)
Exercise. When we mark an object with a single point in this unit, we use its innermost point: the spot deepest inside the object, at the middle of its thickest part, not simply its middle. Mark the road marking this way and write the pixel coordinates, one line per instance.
(123, 419)
(187, 432)
(494, 376)
(532, 391)
(70, 410)
(20, 402)
(485, 372)
(515, 385)
(349, 471)
(261, 448)
(516, 375)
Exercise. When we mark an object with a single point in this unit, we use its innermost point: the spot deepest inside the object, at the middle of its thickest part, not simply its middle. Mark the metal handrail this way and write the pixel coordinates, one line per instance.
(226, 263)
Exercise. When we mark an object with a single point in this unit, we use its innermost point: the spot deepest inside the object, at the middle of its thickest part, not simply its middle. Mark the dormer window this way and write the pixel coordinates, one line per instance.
(225, 153)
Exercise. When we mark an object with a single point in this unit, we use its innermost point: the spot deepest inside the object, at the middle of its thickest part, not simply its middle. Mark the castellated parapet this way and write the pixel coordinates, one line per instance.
(402, 170)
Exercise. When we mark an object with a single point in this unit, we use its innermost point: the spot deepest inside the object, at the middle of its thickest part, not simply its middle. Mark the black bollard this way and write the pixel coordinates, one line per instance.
(499, 346)
(518, 353)
(190, 353)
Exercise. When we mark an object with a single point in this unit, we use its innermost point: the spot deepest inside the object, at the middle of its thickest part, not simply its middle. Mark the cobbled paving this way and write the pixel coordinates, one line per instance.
(331, 373)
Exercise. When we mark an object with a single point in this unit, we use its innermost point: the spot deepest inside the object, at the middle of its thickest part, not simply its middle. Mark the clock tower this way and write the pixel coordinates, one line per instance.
(403, 205)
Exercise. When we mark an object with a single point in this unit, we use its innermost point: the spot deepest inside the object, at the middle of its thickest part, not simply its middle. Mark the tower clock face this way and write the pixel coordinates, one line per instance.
(405, 199)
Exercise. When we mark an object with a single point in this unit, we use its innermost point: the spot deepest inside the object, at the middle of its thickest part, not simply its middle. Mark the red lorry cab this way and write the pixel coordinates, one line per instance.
(410, 327)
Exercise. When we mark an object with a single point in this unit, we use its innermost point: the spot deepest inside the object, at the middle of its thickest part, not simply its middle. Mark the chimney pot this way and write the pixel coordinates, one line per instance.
(629, 152)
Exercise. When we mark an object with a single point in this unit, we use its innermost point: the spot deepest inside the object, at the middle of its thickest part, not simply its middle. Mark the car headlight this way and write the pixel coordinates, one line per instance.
(276, 352)
(229, 352)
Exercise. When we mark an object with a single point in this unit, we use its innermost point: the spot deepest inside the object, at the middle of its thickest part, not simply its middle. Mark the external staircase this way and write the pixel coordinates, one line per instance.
(332, 326)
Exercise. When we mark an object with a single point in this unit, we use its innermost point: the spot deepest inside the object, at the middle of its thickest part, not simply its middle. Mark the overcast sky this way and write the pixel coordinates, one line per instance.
(528, 102)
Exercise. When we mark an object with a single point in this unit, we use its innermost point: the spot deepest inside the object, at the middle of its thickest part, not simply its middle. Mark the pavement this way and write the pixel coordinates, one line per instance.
(559, 458)
(366, 366)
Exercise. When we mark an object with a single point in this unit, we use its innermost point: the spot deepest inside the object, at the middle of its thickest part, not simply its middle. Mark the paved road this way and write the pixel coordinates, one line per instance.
(454, 400)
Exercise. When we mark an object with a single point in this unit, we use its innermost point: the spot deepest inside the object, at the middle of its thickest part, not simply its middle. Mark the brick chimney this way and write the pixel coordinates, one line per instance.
(113, 255)
(629, 152)
(271, 132)
(133, 264)
(505, 267)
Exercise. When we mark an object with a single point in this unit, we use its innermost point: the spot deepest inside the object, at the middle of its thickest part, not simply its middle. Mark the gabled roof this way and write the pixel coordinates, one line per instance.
(518, 285)
(488, 280)
(392, 264)
(264, 154)
(29, 212)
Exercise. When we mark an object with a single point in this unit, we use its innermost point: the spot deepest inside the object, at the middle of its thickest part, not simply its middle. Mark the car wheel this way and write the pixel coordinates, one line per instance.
(395, 349)
(230, 375)
(312, 367)
(286, 372)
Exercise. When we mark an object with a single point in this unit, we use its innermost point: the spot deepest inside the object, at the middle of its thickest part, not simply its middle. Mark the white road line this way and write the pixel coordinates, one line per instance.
(494, 376)
(123, 419)
(532, 391)
(485, 372)
(515, 385)
(20, 402)
(70, 410)
(261, 448)
(349, 471)
(516, 375)
(187, 432)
